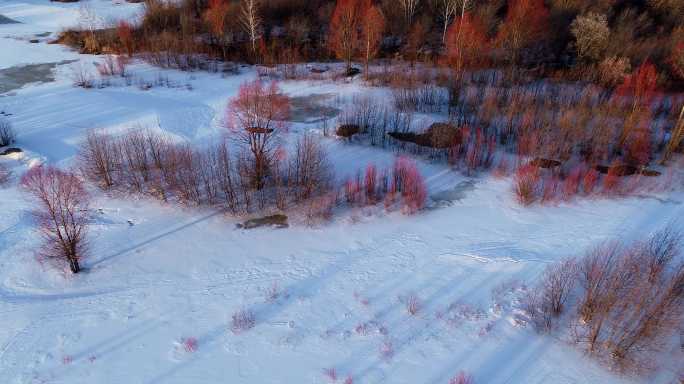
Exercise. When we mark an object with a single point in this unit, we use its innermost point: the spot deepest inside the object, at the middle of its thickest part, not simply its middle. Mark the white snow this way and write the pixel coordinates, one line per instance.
(325, 297)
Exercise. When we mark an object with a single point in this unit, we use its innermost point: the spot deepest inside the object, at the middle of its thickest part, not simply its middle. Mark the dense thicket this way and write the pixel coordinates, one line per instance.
(582, 39)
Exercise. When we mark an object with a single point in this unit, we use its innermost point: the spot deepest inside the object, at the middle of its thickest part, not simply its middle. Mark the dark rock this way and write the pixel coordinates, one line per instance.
(438, 135)
(347, 130)
(353, 71)
(545, 163)
(650, 172)
(10, 151)
(618, 170)
(276, 221)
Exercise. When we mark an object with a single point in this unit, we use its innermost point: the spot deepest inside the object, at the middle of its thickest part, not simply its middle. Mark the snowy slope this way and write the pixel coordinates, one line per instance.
(327, 297)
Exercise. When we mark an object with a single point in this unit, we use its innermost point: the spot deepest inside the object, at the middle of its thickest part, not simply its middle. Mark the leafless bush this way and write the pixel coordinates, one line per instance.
(7, 134)
(629, 298)
(113, 66)
(144, 162)
(309, 169)
(62, 213)
(546, 303)
(81, 76)
(413, 305)
(422, 98)
(364, 113)
(526, 184)
(100, 159)
(5, 174)
(623, 301)
(462, 378)
(243, 320)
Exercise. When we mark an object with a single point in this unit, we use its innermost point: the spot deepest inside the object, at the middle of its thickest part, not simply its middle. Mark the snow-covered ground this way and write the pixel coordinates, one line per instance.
(331, 297)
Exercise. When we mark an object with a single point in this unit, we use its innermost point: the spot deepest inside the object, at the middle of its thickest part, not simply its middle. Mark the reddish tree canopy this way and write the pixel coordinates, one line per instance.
(344, 28)
(641, 86)
(215, 16)
(677, 60)
(526, 21)
(372, 27)
(466, 42)
(124, 32)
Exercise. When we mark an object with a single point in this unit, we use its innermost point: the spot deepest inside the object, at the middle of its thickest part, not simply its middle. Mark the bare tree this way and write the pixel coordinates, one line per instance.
(409, 8)
(99, 158)
(310, 171)
(62, 214)
(257, 116)
(464, 5)
(447, 10)
(675, 141)
(546, 303)
(251, 21)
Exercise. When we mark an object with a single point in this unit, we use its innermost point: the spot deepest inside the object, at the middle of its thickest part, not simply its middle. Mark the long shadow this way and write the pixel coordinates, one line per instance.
(264, 312)
(156, 237)
(400, 344)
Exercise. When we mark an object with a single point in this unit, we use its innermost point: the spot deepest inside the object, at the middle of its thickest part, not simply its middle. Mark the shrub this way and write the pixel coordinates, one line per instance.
(589, 181)
(310, 172)
(623, 300)
(412, 305)
(243, 320)
(189, 344)
(613, 70)
(546, 303)
(7, 134)
(330, 374)
(409, 182)
(387, 350)
(5, 174)
(462, 378)
(526, 182)
(370, 183)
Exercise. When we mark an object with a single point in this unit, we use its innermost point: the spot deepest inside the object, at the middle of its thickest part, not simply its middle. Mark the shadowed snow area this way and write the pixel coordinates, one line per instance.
(332, 296)
(6, 20)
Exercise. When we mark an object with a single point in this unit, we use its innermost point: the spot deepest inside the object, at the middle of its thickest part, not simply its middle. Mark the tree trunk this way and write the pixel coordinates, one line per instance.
(73, 265)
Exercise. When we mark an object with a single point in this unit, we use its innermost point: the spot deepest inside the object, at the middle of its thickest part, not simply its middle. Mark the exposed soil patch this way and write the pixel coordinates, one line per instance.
(545, 163)
(347, 130)
(16, 77)
(275, 221)
(311, 109)
(439, 136)
(626, 170)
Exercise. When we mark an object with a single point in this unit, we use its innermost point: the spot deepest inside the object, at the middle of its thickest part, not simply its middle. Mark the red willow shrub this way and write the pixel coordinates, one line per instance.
(589, 181)
(370, 183)
(462, 378)
(410, 183)
(526, 184)
(402, 183)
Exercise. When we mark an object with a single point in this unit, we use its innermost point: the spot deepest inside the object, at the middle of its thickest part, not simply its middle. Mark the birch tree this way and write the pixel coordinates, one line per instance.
(251, 21)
